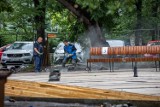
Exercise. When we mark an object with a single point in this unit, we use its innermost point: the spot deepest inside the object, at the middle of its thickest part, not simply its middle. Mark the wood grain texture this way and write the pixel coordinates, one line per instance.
(47, 90)
(124, 59)
(127, 50)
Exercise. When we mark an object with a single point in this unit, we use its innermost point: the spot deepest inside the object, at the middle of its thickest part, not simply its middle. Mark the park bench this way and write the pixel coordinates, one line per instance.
(126, 54)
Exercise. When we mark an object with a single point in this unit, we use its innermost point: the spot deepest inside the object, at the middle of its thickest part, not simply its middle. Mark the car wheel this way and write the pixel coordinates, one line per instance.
(58, 62)
(17, 67)
(32, 61)
(4, 65)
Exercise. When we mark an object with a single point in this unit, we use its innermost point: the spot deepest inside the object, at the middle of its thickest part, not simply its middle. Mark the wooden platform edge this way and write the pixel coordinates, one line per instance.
(30, 89)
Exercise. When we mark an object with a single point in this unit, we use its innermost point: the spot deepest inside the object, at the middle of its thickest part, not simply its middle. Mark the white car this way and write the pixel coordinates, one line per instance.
(20, 52)
(115, 43)
(59, 52)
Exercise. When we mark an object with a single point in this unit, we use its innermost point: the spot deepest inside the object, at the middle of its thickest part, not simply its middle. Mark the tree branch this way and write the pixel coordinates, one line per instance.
(79, 14)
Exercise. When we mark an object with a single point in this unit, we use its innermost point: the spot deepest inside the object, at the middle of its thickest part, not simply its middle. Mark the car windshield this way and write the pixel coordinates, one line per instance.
(24, 46)
(115, 43)
(78, 46)
(60, 46)
(155, 43)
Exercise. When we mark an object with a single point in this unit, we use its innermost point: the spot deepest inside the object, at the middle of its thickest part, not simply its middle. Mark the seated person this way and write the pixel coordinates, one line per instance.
(70, 53)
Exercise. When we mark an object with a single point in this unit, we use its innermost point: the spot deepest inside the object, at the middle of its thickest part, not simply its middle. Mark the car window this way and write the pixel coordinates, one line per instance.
(78, 46)
(155, 43)
(60, 46)
(107, 44)
(115, 43)
(28, 46)
(25, 46)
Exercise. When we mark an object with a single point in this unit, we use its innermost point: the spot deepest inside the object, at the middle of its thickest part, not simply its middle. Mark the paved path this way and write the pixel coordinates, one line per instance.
(147, 82)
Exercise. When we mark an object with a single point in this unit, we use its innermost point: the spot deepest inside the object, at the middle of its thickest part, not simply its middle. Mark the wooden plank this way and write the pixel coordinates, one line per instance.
(146, 59)
(47, 90)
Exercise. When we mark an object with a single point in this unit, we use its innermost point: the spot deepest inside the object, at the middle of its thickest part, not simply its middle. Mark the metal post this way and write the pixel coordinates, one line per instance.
(87, 68)
(90, 64)
(113, 64)
(110, 66)
(135, 69)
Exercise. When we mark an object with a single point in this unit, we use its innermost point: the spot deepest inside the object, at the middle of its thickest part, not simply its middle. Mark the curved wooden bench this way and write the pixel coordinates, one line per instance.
(133, 51)
(126, 50)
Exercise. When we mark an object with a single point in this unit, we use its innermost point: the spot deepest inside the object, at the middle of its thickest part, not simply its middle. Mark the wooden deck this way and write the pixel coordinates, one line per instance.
(47, 90)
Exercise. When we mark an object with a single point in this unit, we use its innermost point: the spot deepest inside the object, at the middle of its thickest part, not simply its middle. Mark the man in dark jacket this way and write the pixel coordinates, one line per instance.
(38, 52)
(70, 53)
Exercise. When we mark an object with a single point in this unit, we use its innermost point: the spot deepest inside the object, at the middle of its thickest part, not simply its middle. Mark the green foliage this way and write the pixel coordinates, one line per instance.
(20, 20)
(115, 16)
(102, 11)
(69, 27)
(126, 19)
(5, 6)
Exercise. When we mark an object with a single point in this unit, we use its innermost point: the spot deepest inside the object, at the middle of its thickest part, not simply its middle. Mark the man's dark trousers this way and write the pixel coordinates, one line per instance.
(66, 59)
(38, 63)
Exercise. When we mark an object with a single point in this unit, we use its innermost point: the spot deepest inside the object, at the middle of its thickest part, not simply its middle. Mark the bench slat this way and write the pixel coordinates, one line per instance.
(127, 50)
(124, 59)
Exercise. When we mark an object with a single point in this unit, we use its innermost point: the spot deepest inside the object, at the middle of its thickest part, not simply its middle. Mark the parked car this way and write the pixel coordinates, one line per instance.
(115, 43)
(59, 52)
(152, 43)
(4, 48)
(20, 52)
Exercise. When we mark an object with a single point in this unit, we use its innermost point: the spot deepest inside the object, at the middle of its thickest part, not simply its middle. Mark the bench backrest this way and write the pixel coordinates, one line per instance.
(126, 50)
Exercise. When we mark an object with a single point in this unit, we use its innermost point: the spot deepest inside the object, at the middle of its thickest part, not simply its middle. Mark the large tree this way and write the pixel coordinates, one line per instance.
(138, 36)
(93, 14)
(39, 18)
(4, 6)
(154, 13)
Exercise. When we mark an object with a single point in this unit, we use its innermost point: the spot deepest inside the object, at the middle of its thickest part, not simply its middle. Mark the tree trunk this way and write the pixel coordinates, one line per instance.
(154, 15)
(39, 19)
(138, 36)
(69, 4)
(95, 36)
(94, 32)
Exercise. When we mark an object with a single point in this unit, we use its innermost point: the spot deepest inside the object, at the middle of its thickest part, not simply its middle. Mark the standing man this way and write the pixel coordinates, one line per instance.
(38, 52)
(70, 53)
